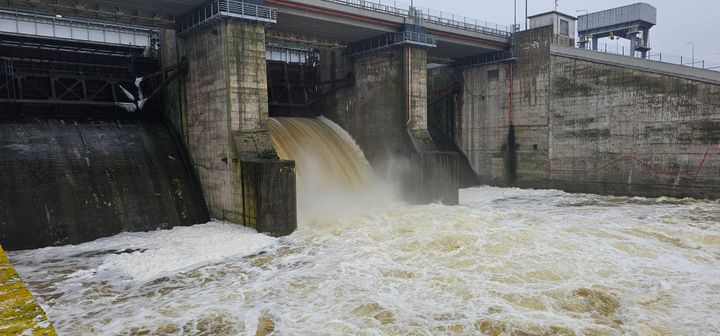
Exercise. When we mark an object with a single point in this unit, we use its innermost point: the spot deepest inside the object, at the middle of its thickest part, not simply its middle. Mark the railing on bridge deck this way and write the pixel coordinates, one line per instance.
(497, 57)
(207, 15)
(428, 15)
(392, 39)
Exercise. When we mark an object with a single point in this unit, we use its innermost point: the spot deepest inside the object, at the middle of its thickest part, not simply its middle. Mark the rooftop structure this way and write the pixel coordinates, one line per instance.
(632, 22)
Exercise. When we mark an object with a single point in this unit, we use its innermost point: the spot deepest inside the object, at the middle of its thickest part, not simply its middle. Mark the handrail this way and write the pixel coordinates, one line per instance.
(392, 39)
(202, 16)
(391, 7)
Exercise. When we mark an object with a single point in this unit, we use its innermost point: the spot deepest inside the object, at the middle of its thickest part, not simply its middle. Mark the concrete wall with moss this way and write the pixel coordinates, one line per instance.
(374, 111)
(587, 126)
(19, 313)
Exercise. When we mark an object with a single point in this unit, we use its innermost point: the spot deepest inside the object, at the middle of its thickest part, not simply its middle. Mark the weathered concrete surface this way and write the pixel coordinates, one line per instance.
(173, 98)
(386, 113)
(270, 196)
(19, 313)
(375, 110)
(71, 181)
(227, 118)
(439, 178)
(588, 126)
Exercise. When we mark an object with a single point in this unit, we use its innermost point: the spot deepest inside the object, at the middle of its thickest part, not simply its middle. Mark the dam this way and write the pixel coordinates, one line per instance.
(333, 167)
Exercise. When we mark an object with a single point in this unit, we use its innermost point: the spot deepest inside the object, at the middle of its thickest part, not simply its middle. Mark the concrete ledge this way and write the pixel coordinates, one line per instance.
(19, 313)
(439, 176)
(269, 197)
(676, 70)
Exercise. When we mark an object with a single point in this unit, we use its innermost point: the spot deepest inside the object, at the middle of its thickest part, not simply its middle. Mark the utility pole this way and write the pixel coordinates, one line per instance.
(515, 27)
(693, 53)
(556, 4)
(527, 21)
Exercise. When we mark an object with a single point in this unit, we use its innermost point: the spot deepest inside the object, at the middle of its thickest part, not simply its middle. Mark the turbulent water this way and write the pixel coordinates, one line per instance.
(504, 262)
(334, 178)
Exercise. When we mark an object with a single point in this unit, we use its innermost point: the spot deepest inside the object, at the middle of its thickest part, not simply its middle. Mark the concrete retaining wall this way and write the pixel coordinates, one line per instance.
(589, 126)
(72, 181)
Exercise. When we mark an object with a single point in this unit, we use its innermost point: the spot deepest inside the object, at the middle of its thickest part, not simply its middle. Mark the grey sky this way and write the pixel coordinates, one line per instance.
(678, 21)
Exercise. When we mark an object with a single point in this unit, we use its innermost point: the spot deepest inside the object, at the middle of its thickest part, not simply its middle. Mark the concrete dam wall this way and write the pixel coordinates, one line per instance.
(583, 125)
(67, 181)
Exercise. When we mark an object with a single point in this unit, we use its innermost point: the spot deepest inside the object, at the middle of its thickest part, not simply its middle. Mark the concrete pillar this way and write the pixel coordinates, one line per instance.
(174, 105)
(437, 171)
(227, 122)
(386, 113)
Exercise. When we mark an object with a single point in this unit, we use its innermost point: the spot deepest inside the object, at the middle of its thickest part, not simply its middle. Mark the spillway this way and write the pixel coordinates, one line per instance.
(72, 180)
(333, 176)
(325, 154)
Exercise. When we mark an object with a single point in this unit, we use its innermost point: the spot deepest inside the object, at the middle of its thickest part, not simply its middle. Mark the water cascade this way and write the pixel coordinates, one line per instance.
(333, 176)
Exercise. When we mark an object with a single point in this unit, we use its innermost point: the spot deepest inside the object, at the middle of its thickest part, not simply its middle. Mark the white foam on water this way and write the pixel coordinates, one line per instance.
(507, 261)
(146, 256)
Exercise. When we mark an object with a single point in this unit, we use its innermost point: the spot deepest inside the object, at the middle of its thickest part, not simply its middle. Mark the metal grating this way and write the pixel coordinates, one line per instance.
(58, 27)
(206, 16)
(498, 57)
(390, 40)
(7, 80)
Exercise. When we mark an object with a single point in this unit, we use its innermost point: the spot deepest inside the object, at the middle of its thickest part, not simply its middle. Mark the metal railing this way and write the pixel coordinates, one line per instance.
(392, 39)
(501, 56)
(207, 15)
(399, 8)
(621, 50)
(7, 79)
(59, 27)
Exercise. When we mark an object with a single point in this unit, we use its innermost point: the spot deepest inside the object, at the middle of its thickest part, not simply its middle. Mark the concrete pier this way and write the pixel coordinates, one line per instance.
(227, 117)
(386, 113)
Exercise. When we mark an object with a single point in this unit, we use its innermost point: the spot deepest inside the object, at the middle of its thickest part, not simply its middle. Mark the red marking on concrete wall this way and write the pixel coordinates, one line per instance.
(643, 164)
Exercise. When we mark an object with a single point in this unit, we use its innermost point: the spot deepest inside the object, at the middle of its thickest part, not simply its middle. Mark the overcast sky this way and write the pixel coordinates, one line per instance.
(678, 21)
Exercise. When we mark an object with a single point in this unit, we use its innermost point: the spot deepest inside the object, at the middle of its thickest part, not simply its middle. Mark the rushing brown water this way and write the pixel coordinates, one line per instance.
(504, 262)
(324, 153)
(334, 178)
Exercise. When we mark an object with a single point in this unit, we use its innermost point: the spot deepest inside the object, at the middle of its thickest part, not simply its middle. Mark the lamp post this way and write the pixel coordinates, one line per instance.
(584, 37)
(693, 53)
(515, 27)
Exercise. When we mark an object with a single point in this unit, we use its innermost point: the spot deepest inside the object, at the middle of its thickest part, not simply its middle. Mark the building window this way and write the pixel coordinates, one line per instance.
(564, 28)
(493, 75)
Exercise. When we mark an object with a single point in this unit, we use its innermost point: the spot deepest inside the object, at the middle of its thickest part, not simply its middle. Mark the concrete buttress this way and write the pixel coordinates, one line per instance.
(227, 125)
(386, 113)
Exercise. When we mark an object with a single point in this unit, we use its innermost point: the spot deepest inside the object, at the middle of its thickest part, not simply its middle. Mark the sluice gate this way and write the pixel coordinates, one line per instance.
(80, 159)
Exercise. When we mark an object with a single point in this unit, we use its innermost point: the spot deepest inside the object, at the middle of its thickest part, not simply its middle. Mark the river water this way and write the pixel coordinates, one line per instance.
(504, 262)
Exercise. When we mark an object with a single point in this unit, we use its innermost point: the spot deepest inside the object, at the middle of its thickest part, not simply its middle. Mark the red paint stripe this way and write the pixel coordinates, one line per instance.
(640, 163)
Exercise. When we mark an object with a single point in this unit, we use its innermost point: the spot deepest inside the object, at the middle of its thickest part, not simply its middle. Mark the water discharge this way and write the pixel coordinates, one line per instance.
(504, 262)
(334, 178)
